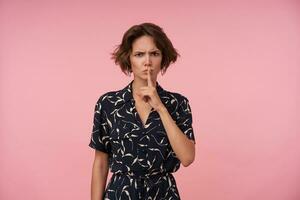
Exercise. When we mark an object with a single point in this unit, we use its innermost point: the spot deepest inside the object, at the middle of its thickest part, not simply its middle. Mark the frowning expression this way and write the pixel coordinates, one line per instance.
(145, 54)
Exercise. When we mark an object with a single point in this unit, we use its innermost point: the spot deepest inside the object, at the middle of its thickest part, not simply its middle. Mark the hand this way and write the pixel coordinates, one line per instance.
(149, 93)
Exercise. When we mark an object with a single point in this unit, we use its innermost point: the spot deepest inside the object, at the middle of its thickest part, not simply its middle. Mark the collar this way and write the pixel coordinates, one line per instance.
(126, 95)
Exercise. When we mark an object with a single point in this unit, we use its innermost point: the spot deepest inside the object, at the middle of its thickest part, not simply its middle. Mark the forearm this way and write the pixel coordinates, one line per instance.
(99, 177)
(183, 147)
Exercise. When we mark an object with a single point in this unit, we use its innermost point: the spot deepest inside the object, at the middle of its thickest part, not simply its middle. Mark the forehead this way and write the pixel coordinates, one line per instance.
(144, 43)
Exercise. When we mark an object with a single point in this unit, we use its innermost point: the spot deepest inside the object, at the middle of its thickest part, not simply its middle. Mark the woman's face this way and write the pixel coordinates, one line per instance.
(145, 53)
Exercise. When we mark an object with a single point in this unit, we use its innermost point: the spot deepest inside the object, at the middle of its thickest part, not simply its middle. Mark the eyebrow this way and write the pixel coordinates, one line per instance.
(139, 51)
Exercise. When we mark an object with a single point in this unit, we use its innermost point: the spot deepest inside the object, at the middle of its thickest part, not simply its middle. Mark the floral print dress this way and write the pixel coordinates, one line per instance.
(140, 156)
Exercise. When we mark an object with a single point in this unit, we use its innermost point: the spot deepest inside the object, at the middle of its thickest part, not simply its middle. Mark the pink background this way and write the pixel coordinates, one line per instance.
(239, 67)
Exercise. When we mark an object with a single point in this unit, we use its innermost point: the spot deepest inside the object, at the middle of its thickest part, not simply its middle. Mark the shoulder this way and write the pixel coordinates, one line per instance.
(176, 101)
(110, 98)
(176, 96)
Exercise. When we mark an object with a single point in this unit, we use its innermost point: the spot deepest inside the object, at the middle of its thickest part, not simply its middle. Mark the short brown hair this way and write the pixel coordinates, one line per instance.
(122, 52)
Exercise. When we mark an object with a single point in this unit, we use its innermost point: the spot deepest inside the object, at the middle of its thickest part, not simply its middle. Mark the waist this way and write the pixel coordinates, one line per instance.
(142, 174)
(144, 179)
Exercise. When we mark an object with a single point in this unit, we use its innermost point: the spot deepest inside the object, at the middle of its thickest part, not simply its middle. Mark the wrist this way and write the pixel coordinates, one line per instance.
(161, 108)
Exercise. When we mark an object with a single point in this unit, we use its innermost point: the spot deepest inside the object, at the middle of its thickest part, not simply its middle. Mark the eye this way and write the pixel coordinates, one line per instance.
(139, 54)
(155, 53)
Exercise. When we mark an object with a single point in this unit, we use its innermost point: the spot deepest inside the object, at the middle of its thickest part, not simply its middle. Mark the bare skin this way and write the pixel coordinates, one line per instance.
(99, 175)
(145, 57)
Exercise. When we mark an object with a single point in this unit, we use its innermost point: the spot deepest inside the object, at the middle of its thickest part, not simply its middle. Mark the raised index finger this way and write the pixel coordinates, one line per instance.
(149, 80)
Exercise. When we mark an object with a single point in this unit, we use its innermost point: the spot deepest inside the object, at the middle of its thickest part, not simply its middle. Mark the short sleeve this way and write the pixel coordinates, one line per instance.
(185, 120)
(99, 139)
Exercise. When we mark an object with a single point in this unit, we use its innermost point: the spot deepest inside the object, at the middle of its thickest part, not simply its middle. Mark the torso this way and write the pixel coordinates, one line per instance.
(138, 149)
(143, 109)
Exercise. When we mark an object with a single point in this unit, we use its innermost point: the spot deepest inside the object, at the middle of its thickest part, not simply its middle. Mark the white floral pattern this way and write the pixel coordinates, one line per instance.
(140, 157)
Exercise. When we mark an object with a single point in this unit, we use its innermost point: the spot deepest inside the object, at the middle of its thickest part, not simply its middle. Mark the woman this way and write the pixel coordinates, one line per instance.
(141, 132)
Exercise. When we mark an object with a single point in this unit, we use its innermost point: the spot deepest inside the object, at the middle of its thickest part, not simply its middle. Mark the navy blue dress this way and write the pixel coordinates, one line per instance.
(140, 157)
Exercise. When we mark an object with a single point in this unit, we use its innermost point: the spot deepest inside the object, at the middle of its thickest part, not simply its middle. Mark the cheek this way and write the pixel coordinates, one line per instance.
(158, 63)
(134, 63)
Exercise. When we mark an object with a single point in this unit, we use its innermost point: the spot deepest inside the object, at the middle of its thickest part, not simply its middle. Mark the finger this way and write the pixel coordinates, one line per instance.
(146, 98)
(144, 88)
(149, 77)
(144, 94)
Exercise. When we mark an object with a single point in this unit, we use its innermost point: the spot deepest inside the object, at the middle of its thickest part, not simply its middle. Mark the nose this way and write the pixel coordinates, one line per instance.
(148, 60)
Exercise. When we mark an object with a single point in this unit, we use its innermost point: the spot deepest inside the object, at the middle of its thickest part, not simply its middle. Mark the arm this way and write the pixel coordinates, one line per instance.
(183, 147)
(99, 175)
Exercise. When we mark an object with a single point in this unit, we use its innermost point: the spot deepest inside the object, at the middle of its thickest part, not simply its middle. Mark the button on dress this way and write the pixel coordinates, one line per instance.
(140, 156)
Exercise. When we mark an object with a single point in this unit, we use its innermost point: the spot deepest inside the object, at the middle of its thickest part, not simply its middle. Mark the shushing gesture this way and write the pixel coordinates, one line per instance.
(149, 93)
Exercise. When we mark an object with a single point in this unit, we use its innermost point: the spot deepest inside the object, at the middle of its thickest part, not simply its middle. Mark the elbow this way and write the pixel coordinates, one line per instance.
(189, 158)
(188, 161)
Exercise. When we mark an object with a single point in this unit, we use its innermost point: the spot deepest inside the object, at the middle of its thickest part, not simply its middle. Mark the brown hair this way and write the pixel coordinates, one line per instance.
(122, 52)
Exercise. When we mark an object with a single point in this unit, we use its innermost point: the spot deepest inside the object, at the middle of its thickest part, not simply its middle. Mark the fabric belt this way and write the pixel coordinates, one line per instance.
(144, 178)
